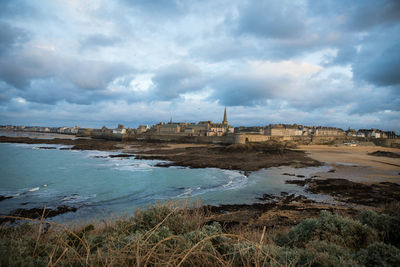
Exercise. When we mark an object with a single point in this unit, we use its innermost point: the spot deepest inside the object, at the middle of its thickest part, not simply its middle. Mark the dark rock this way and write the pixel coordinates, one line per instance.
(333, 170)
(267, 197)
(300, 176)
(47, 147)
(298, 182)
(5, 197)
(388, 154)
(348, 191)
(36, 213)
(289, 174)
(164, 164)
(121, 156)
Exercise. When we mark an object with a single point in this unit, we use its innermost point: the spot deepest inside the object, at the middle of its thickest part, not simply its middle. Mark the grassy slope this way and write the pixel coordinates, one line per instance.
(175, 235)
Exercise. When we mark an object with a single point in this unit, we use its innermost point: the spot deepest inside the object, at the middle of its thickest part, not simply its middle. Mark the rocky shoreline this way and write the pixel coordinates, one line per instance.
(209, 156)
(284, 209)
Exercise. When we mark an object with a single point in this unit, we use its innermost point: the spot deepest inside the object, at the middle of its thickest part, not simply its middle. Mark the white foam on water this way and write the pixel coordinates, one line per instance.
(30, 146)
(96, 153)
(143, 165)
(135, 167)
(236, 180)
(65, 146)
(75, 198)
(228, 184)
(34, 189)
(25, 191)
(190, 192)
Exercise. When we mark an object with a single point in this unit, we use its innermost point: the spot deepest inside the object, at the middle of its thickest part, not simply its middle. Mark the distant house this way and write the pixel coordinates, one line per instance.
(360, 134)
(373, 133)
(74, 130)
(351, 133)
(376, 134)
(142, 128)
(119, 131)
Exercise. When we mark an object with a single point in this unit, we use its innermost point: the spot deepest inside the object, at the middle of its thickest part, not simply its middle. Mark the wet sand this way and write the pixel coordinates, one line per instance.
(355, 163)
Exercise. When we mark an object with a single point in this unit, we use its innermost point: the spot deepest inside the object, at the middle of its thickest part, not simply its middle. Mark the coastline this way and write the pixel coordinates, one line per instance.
(186, 155)
(347, 178)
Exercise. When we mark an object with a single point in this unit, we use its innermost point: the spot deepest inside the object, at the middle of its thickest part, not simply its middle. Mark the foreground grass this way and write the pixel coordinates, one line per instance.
(173, 235)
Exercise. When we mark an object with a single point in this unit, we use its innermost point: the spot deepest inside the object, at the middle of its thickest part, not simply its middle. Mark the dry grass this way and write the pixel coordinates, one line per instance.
(176, 234)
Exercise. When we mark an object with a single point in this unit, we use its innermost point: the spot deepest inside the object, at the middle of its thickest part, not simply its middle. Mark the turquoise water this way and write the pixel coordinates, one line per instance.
(96, 186)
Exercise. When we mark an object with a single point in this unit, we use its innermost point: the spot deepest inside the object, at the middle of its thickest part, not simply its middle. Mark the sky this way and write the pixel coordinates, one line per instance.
(98, 62)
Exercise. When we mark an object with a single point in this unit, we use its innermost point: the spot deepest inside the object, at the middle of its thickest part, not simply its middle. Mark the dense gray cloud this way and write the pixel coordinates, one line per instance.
(99, 40)
(11, 37)
(176, 79)
(19, 69)
(358, 15)
(16, 8)
(166, 9)
(291, 61)
(244, 90)
(379, 59)
(272, 19)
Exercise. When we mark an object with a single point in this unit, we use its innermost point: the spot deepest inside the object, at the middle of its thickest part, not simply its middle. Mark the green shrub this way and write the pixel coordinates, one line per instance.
(331, 228)
(163, 236)
(379, 254)
(387, 226)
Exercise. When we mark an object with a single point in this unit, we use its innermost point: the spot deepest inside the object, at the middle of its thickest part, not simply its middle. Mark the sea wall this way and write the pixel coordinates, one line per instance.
(106, 136)
(243, 138)
(228, 139)
(386, 142)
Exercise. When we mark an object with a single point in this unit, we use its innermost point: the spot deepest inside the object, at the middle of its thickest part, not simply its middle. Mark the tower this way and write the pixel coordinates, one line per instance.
(225, 121)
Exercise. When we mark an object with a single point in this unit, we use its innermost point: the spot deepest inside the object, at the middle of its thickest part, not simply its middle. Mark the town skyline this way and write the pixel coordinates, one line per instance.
(112, 125)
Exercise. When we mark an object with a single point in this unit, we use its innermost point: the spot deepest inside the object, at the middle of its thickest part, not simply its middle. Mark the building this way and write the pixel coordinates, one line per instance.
(373, 133)
(283, 130)
(142, 129)
(203, 128)
(120, 129)
(328, 131)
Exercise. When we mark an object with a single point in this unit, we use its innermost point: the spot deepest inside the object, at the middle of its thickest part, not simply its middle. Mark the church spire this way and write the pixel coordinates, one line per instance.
(225, 121)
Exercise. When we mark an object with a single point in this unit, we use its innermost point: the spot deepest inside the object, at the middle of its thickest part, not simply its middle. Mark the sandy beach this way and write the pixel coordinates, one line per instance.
(355, 163)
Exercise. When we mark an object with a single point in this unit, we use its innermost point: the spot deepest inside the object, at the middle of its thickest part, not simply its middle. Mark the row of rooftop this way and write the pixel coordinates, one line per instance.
(208, 128)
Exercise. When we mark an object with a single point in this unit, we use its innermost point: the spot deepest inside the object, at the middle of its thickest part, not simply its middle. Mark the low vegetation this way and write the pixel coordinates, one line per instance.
(175, 235)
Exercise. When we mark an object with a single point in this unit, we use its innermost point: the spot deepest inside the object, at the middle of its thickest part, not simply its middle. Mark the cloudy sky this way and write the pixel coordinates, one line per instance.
(97, 62)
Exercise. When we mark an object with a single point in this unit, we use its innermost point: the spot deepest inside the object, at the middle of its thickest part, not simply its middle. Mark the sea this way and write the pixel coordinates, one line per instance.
(99, 186)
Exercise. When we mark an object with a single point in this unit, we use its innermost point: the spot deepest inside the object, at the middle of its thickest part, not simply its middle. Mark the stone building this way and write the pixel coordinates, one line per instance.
(283, 130)
(328, 131)
(203, 128)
